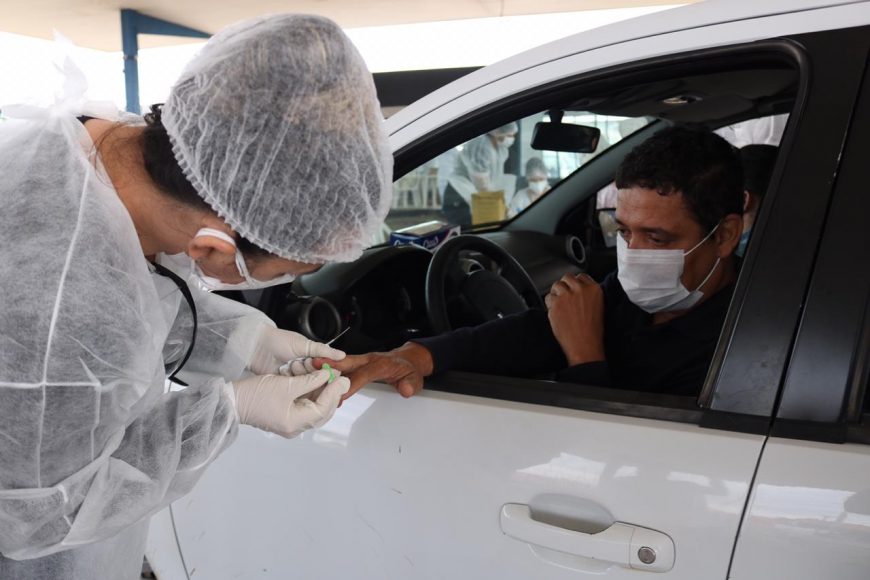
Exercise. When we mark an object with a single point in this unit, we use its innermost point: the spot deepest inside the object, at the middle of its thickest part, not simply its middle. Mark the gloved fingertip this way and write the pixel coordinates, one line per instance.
(320, 376)
(342, 383)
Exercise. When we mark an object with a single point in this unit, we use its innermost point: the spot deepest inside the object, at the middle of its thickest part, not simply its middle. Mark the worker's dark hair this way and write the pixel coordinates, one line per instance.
(694, 162)
(167, 175)
(758, 162)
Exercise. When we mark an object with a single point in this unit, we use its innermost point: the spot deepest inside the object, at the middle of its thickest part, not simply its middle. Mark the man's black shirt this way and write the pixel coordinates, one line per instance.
(668, 358)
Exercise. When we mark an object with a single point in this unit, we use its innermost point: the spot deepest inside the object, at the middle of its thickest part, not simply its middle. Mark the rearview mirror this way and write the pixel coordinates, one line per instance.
(558, 136)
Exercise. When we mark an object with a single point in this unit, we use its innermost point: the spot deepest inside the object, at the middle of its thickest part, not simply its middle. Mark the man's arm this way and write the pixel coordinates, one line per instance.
(517, 345)
(523, 344)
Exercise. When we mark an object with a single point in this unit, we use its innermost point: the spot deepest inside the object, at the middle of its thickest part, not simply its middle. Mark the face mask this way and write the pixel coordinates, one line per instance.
(741, 246)
(538, 187)
(506, 142)
(651, 278)
(250, 283)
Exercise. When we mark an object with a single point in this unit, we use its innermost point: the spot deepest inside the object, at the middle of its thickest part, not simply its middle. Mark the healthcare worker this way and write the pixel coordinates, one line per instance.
(537, 178)
(479, 167)
(268, 159)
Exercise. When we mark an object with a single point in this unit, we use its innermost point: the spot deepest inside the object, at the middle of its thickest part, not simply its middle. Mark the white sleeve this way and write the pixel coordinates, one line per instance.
(226, 331)
(226, 336)
(89, 441)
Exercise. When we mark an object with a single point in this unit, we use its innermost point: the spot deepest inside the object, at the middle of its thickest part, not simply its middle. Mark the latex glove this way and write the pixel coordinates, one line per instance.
(281, 405)
(276, 347)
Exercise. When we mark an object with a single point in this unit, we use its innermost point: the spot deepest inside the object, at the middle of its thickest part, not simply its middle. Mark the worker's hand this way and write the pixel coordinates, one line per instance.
(404, 368)
(285, 405)
(575, 308)
(275, 348)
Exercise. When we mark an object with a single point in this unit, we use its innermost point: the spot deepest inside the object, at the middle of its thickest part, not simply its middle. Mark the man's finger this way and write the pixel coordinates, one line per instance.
(570, 282)
(373, 371)
(410, 385)
(347, 365)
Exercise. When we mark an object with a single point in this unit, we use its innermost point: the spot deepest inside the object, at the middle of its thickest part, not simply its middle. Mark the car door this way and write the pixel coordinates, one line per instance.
(810, 501)
(494, 477)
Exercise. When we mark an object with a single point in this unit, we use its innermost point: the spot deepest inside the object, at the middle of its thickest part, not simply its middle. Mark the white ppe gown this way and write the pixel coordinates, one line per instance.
(479, 167)
(91, 444)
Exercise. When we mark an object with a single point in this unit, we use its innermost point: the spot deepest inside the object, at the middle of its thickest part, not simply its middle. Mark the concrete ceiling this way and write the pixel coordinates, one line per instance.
(96, 23)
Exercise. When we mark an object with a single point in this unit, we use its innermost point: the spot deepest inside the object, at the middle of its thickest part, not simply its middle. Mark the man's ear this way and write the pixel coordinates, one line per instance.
(728, 235)
(747, 201)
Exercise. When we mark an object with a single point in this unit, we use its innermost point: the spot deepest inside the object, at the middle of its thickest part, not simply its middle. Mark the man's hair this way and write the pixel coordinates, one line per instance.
(694, 162)
(758, 162)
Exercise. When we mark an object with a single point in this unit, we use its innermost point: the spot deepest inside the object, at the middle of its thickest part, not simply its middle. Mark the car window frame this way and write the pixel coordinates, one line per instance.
(793, 49)
(753, 353)
(823, 396)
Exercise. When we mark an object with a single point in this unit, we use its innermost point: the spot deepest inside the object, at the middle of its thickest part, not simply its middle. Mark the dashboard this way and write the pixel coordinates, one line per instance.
(381, 298)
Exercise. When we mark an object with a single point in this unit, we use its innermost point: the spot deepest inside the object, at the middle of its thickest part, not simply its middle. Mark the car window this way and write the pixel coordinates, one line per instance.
(497, 175)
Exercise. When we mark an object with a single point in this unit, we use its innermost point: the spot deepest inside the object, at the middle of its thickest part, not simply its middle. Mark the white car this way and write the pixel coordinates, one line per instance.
(764, 475)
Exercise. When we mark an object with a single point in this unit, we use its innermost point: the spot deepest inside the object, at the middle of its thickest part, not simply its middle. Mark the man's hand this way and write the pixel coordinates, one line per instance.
(575, 307)
(404, 368)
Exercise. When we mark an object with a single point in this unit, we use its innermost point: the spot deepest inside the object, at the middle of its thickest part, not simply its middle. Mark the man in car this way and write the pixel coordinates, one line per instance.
(650, 326)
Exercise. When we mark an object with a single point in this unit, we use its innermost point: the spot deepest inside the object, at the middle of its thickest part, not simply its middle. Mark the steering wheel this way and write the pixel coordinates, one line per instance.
(466, 286)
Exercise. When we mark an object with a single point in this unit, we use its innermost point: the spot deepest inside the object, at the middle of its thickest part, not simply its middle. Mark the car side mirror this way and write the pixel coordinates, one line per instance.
(559, 136)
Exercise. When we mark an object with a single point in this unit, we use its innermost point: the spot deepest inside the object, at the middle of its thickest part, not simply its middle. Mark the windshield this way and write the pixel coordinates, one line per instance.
(495, 176)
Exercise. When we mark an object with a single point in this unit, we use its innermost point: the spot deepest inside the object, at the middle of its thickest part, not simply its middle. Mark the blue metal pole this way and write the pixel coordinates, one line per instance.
(130, 44)
(132, 24)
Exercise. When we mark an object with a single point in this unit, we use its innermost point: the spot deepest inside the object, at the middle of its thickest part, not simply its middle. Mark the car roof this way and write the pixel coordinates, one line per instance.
(708, 13)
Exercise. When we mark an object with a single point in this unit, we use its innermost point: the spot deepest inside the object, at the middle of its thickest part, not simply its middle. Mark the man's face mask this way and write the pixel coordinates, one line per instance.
(741, 246)
(505, 142)
(652, 278)
(250, 283)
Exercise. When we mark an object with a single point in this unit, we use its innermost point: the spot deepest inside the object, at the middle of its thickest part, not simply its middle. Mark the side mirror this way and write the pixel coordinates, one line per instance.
(558, 136)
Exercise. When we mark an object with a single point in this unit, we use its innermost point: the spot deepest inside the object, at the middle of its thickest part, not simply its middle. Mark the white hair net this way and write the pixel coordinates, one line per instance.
(277, 126)
(480, 166)
(536, 166)
(508, 129)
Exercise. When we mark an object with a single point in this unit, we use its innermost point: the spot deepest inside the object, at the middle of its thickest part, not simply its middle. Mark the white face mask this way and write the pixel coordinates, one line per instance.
(250, 283)
(538, 187)
(652, 278)
(506, 142)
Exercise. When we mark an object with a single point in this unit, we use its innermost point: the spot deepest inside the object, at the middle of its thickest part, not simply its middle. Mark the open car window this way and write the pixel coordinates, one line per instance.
(498, 175)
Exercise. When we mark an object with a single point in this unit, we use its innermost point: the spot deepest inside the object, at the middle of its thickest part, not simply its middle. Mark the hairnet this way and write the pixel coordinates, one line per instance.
(536, 165)
(277, 126)
(508, 129)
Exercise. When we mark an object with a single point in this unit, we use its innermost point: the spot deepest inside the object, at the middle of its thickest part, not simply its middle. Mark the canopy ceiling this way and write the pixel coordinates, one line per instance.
(97, 23)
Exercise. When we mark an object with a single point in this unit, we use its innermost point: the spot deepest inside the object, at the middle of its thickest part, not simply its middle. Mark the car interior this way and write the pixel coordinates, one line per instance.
(396, 293)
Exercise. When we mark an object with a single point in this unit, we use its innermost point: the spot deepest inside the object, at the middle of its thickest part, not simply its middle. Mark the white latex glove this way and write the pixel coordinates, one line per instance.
(279, 404)
(276, 348)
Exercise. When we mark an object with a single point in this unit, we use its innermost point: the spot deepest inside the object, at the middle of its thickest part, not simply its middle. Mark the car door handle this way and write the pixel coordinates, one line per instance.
(623, 544)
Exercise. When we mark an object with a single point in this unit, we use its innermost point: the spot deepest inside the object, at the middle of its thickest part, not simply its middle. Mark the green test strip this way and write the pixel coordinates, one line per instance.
(331, 374)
